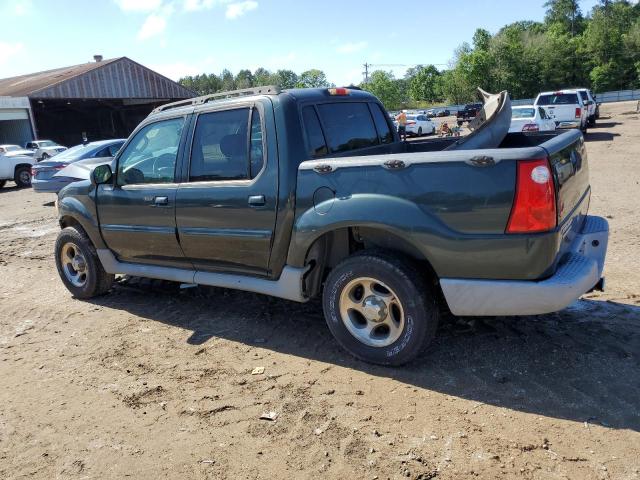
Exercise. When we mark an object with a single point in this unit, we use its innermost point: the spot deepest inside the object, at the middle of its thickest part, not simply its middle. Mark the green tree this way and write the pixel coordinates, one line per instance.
(566, 14)
(262, 77)
(384, 86)
(313, 78)
(227, 80)
(244, 79)
(285, 79)
(423, 85)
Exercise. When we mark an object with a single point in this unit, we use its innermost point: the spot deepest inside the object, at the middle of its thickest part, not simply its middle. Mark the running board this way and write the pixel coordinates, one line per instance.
(288, 286)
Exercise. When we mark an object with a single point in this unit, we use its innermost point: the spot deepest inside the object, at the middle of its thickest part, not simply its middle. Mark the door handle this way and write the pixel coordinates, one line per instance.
(161, 201)
(256, 201)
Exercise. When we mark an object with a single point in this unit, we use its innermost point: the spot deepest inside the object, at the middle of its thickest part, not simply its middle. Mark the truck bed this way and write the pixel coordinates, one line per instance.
(452, 206)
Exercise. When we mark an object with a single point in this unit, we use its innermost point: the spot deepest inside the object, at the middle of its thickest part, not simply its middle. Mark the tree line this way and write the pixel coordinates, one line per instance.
(599, 50)
(211, 83)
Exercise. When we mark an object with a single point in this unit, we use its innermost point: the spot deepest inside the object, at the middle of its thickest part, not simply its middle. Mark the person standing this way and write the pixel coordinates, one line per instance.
(401, 118)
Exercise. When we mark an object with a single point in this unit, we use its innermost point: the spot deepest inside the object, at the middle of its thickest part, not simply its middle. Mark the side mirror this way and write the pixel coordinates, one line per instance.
(101, 174)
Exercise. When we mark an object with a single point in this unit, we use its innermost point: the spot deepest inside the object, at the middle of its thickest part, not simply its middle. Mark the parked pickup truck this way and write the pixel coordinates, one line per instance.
(309, 193)
(15, 165)
(468, 113)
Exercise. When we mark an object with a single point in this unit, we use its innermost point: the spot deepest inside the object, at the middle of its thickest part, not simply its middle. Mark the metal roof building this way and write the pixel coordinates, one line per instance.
(100, 99)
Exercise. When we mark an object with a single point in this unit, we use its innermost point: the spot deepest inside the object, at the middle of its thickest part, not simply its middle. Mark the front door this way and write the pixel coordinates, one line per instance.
(137, 211)
(226, 208)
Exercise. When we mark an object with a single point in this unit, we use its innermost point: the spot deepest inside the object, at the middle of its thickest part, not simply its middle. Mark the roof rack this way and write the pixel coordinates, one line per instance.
(266, 90)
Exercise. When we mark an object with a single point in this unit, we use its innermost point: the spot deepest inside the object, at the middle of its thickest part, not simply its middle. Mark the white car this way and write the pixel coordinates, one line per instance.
(419, 124)
(44, 148)
(14, 150)
(590, 103)
(15, 166)
(529, 118)
(565, 107)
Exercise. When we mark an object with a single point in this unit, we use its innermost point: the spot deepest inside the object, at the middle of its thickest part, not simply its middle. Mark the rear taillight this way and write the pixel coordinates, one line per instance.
(33, 172)
(578, 112)
(530, 127)
(411, 122)
(534, 206)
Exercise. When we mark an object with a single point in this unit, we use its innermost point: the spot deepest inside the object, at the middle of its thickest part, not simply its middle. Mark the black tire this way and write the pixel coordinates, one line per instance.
(44, 156)
(22, 177)
(407, 283)
(419, 131)
(592, 121)
(2, 183)
(97, 281)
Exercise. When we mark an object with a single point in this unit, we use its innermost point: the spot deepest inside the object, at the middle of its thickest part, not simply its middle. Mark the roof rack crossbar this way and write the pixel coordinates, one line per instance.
(266, 90)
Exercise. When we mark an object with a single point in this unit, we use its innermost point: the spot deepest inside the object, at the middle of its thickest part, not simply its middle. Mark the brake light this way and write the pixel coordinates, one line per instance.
(530, 127)
(33, 172)
(338, 91)
(410, 122)
(578, 112)
(59, 167)
(534, 206)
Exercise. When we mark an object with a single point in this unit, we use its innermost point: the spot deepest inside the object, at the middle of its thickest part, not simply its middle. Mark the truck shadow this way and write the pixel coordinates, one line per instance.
(600, 136)
(580, 364)
(605, 125)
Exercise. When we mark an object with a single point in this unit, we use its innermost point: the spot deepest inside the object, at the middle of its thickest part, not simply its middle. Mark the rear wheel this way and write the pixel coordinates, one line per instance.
(22, 177)
(2, 183)
(592, 121)
(79, 266)
(419, 131)
(380, 308)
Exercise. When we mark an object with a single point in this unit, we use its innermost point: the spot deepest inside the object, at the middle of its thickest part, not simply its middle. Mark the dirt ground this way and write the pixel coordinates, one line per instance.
(154, 382)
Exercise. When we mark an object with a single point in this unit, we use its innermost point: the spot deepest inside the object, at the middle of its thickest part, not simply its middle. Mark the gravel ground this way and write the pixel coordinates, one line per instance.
(154, 382)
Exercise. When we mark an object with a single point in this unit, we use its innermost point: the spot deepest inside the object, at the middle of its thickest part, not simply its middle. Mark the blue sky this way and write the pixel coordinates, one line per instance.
(180, 37)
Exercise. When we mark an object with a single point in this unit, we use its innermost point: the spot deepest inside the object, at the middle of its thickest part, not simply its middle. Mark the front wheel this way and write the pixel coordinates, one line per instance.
(380, 308)
(419, 131)
(44, 156)
(79, 266)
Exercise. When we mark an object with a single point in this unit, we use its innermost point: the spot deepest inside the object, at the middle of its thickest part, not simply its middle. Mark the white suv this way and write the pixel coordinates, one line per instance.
(565, 107)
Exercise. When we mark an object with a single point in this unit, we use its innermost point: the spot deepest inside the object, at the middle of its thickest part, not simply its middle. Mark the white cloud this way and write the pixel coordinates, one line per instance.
(351, 47)
(9, 50)
(195, 5)
(235, 10)
(152, 26)
(156, 23)
(139, 5)
(23, 7)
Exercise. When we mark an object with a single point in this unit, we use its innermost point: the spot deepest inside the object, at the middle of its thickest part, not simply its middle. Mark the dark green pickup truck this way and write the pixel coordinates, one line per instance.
(306, 193)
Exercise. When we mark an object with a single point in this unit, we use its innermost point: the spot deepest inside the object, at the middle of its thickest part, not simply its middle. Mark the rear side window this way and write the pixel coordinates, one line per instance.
(584, 96)
(558, 99)
(348, 126)
(317, 145)
(384, 132)
(219, 150)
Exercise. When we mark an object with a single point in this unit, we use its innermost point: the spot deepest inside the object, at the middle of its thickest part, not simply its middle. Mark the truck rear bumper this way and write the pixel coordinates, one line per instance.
(579, 272)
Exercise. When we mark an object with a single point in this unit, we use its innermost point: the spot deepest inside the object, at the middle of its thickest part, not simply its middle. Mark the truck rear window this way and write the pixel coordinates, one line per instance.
(348, 126)
(315, 138)
(559, 99)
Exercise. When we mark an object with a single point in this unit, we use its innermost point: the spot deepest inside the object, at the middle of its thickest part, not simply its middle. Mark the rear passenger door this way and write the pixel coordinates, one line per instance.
(226, 203)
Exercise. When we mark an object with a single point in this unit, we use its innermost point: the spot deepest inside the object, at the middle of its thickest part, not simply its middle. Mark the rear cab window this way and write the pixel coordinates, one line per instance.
(344, 126)
(558, 99)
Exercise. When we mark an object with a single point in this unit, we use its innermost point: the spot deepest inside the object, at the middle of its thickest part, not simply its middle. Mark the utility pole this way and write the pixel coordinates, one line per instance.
(366, 72)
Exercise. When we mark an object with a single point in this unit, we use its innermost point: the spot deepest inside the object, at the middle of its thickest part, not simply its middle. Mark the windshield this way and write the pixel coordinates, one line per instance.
(76, 153)
(522, 113)
(47, 143)
(411, 117)
(12, 148)
(558, 99)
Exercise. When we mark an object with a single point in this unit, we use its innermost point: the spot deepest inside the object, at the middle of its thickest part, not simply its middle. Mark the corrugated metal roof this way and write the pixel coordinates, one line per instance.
(114, 78)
